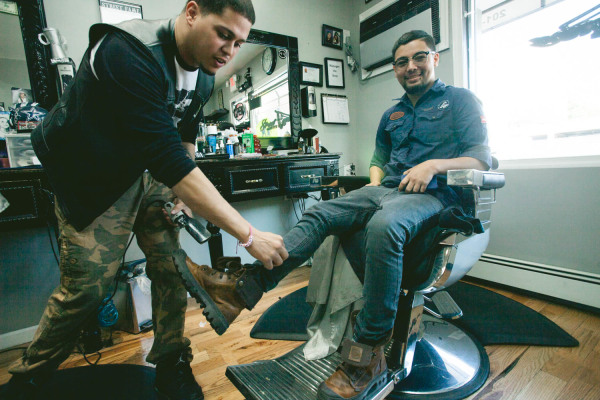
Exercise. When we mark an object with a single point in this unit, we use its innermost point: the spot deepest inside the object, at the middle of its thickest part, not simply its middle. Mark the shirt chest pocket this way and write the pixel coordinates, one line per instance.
(434, 126)
(398, 131)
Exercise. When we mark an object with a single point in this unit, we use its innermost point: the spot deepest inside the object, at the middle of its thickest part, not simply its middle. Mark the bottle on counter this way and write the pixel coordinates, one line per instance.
(256, 144)
(220, 144)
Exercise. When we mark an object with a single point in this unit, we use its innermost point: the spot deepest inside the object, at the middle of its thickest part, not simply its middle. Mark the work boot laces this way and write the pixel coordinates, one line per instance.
(232, 269)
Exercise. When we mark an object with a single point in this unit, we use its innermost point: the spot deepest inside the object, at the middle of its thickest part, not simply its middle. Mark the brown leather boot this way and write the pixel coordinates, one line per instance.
(223, 291)
(363, 373)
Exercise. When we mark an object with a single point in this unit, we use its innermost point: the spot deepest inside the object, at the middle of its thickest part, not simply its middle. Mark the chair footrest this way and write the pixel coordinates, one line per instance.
(446, 305)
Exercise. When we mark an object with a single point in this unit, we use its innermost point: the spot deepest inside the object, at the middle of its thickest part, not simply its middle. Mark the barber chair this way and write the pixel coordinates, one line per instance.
(428, 357)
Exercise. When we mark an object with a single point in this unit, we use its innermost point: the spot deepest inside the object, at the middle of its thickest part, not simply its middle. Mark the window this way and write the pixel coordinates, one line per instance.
(535, 64)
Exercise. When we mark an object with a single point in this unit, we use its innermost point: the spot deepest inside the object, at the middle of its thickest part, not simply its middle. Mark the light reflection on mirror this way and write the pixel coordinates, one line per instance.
(12, 59)
(264, 105)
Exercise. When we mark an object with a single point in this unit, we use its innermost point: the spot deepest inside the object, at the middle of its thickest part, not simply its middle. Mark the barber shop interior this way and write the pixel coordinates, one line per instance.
(299, 200)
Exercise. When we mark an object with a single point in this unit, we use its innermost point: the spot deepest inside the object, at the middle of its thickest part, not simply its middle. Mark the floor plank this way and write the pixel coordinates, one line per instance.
(543, 386)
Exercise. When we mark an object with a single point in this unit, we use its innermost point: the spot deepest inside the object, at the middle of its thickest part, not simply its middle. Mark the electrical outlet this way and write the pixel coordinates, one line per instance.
(349, 170)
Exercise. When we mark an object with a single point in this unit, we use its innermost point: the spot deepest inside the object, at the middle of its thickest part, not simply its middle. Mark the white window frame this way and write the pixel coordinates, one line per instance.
(462, 17)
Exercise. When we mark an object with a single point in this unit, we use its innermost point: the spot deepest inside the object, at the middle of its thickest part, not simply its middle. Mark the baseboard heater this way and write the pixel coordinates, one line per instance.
(563, 284)
(580, 276)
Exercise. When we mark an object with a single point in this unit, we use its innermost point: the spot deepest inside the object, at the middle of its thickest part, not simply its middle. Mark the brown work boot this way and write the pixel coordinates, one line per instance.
(223, 291)
(363, 373)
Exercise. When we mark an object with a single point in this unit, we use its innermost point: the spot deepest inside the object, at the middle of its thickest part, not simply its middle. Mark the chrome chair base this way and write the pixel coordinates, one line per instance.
(448, 364)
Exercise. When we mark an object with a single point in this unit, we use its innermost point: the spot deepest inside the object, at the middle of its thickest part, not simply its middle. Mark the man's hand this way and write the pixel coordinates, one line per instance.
(418, 177)
(179, 205)
(373, 184)
(268, 248)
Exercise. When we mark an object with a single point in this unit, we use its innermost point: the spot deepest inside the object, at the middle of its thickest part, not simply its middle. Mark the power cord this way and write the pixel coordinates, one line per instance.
(352, 63)
(106, 316)
(301, 199)
(84, 354)
(294, 207)
(50, 226)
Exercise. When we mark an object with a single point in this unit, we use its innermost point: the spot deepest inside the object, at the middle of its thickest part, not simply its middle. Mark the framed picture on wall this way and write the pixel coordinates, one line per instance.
(21, 97)
(311, 74)
(334, 73)
(332, 37)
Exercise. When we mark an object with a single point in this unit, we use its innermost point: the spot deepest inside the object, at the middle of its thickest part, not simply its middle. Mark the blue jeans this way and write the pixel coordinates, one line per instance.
(390, 219)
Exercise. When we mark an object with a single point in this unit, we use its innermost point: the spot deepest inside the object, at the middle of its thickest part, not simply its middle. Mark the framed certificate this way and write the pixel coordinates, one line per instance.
(334, 73)
(311, 74)
(335, 109)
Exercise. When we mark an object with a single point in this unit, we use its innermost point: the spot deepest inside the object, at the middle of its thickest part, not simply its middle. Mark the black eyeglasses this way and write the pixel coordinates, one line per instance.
(420, 58)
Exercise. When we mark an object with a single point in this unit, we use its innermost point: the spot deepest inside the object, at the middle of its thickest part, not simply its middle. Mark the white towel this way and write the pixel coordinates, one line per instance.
(334, 291)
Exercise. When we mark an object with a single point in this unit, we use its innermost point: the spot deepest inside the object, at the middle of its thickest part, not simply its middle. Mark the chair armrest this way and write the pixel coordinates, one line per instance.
(474, 178)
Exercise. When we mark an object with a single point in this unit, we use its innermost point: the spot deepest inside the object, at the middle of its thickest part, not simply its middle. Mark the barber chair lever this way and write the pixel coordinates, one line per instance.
(445, 305)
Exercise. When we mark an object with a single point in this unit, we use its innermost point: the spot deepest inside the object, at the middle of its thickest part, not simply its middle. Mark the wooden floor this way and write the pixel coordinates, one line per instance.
(517, 372)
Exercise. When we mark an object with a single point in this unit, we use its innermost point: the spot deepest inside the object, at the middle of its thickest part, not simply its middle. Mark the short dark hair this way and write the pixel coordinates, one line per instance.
(243, 7)
(414, 35)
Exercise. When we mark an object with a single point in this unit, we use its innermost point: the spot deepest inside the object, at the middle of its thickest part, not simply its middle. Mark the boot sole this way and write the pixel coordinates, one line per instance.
(212, 313)
(325, 393)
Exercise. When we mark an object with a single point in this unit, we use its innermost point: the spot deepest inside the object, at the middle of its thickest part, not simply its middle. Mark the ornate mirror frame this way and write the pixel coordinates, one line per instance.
(41, 77)
(291, 44)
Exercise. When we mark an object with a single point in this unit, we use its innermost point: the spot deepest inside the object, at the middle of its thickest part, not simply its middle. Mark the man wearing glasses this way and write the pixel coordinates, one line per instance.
(432, 129)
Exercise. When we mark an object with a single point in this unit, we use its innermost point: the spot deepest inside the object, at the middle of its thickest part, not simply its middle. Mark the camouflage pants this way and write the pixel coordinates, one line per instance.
(89, 260)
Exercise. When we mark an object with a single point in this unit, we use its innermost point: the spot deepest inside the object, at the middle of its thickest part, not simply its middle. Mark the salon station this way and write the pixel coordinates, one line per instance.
(499, 301)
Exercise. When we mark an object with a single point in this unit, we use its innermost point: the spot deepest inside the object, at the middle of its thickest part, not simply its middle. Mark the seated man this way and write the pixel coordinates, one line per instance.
(432, 129)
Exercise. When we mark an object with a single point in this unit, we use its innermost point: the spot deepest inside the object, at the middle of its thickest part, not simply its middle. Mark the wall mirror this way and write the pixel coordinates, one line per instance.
(279, 127)
(259, 89)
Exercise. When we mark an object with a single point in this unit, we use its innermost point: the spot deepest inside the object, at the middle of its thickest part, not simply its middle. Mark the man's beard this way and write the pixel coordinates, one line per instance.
(415, 89)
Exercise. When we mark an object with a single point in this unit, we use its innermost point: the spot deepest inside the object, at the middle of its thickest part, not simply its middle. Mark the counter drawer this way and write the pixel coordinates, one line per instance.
(298, 177)
(258, 180)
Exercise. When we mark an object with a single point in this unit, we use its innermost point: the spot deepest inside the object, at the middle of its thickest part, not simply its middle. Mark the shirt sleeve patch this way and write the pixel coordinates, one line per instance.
(396, 115)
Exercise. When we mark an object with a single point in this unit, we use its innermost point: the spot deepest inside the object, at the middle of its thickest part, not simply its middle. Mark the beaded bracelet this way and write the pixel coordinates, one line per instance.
(249, 242)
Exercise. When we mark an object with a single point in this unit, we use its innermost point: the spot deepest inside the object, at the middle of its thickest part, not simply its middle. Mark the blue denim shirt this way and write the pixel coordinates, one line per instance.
(447, 122)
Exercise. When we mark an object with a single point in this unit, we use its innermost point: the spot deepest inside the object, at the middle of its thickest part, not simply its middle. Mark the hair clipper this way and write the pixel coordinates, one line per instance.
(194, 228)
